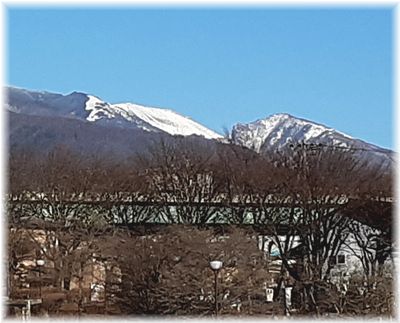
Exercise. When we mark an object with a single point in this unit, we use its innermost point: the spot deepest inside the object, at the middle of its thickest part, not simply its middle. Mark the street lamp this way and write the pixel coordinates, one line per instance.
(216, 265)
(40, 263)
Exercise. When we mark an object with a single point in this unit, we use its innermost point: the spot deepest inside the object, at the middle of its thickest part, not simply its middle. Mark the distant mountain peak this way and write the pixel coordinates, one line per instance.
(90, 108)
(281, 131)
(278, 130)
(146, 118)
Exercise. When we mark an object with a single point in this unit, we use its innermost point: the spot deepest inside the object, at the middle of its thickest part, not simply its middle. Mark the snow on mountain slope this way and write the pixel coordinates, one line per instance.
(146, 118)
(284, 133)
(282, 129)
(90, 108)
(281, 132)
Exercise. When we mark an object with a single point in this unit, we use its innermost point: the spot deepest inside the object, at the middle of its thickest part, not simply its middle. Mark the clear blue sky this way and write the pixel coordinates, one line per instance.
(220, 67)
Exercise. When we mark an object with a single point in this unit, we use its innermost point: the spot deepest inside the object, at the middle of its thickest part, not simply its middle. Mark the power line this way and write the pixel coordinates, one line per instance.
(315, 146)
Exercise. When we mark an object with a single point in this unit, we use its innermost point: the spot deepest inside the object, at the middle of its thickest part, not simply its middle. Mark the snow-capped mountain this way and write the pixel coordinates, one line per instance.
(86, 123)
(282, 129)
(92, 109)
(146, 118)
(283, 132)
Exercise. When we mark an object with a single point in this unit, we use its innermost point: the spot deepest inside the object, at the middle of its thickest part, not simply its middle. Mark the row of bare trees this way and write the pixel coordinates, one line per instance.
(196, 180)
(304, 194)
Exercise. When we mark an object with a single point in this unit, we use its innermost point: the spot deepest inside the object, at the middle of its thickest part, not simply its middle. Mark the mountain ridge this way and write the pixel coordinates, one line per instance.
(91, 108)
(287, 120)
(277, 132)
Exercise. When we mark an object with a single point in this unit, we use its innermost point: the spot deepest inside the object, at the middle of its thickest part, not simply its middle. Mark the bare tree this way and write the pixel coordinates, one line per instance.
(181, 179)
(168, 272)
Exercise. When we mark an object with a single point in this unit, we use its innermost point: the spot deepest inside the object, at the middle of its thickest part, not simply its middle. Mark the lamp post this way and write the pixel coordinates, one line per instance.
(40, 263)
(216, 265)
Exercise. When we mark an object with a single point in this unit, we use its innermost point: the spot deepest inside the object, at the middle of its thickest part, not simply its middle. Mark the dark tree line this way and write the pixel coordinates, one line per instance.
(303, 194)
